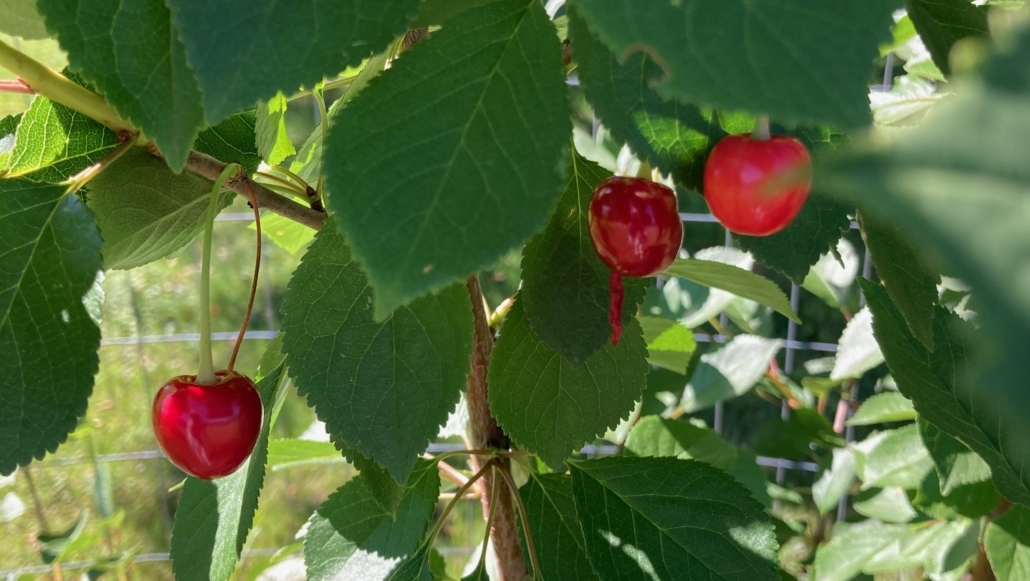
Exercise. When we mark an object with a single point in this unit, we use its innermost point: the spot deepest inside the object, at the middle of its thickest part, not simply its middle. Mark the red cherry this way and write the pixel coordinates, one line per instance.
(636, 231)
(757, 187)
(208, 431)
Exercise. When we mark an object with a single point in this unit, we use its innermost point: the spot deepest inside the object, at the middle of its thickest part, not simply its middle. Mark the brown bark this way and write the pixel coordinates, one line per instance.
(487, 434)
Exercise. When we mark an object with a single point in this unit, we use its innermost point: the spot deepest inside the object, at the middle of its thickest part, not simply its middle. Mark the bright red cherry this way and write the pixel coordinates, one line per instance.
(636, 231)
(208, 431)
(756, 187)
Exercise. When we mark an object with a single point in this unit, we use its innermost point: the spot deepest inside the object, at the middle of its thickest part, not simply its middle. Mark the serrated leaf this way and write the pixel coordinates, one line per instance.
(8, 130)
(743, 283)
(956, 464)
(287, 453)
(731, 55)
(551, 407)
(659, 437)
(288, 47)
(942, 23)
(730, 371)
(382, 389)
(214, 517)
(663, 518)
(464, 153)
(958, 187)
(857, 350)
(351, 537)
(273, 142)
(415, 568)
(232, 141)
(792, 251)
(871, 547)
(909, 280)
(49, 258)
(287, 234)
(834, 481)
(565, 286)
(932, 382)
(892, 458)
(557, 536)
(135, 57)
(54, 143)
(1007, 544)
(146, 212)
(21, 18)
(973, 500)
(670, 345)
(889, 406)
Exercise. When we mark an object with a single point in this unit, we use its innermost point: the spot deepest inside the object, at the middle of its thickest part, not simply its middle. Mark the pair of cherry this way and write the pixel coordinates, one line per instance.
(754, 184)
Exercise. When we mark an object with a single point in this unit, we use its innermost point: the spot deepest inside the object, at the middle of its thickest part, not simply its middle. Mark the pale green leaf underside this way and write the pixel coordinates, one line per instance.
(1007, 543)
(834, 481)
(730, 371)
(734, 54)
(664, 518)
(22, 19)
(956, 464)
(133, 54)
(892, 458)
(49, 258)
(550, 407)
(872, 547)
(889, 406)
(382, 388)
(146, 212)
(743, 283)
(455, 154)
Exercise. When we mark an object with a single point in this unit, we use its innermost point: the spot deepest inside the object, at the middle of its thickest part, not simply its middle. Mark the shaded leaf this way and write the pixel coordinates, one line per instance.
(794, 437)
(942, 23)
(1007, 544)
(557, 535)
(232, 141)
(956, 464)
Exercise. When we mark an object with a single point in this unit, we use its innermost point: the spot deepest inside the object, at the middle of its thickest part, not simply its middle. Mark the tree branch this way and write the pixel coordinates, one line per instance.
(209, 167)
(487, 434)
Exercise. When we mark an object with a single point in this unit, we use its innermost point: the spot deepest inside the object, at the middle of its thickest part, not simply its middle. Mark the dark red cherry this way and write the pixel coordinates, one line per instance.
(208, 431)
(757, 187)
(636, 231)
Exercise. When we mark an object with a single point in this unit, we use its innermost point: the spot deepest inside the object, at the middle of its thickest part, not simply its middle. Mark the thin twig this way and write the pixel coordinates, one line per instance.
(254, 280)
(16, 86)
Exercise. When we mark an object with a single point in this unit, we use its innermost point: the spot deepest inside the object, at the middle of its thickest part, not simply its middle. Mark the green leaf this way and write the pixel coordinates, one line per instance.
(214, 517)
(351, 537)
(889, 406)
(382, 389)
(892, 458)
(730, 371)
(660, 437)
(857, 350)
(8, 130)
(695, 304)
(288, 47)
(889, 504)
(380, 484)
(287, 453)
(287, 234)
(434, 12)
(931, 381)
(49, 258)
(661, 517)
(968, 500)
(54, 143)
(145, 212)
(551, 511)
(794, 437)
(448, 160)
(565, 286)
(22, 19)
(942, 23)
(907, 103)
(417, 567)
(733, 55)
(670, 345)
(956, 464)
(672, 136)
(833, 281)
(273, 142)
(1007, 544)
(551, 407)
(871, 547)
(794, 250)
(135, 57)
(738, 281)
(910, 282)
(232, 141)
(958, 186)
(834, 481)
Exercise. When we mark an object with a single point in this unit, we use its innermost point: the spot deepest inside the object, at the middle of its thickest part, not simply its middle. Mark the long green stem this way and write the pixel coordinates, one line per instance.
(206, 375)
(57, 87)
(457, 496)
(514, 488)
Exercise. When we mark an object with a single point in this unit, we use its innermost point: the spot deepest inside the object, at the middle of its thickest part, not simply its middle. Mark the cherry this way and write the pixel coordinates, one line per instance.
(757, 186)
(636, 231)
(208, 431)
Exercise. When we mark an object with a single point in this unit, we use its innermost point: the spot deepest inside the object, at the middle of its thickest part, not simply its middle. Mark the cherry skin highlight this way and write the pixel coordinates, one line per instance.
(757, 187)
(636, 231)
(208, 431)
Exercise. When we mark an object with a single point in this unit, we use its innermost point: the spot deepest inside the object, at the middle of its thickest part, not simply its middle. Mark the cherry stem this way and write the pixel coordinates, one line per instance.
(254, 280)
(761, 130)
(206, 375)
(615, 306)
